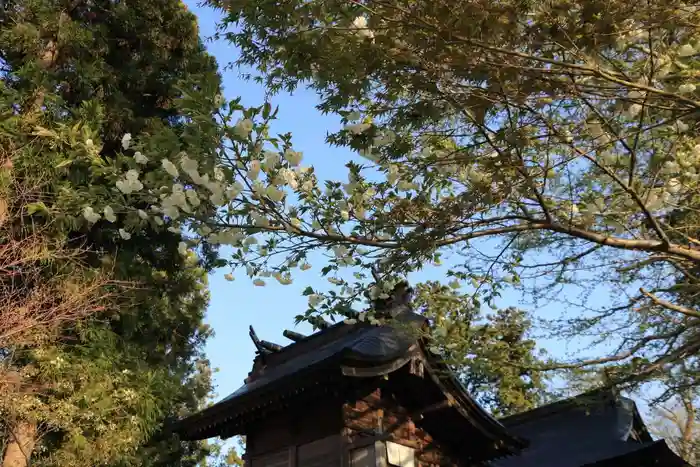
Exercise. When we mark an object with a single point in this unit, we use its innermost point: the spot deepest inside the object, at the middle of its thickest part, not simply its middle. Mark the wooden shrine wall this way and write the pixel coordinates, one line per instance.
(374, 416)
(295, 426)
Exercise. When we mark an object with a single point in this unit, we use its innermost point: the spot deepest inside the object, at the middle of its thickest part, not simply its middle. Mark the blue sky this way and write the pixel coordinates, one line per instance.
(236, 305)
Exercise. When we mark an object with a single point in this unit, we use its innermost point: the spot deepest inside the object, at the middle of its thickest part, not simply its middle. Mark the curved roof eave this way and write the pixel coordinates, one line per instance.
(453, 389)
(371, 351)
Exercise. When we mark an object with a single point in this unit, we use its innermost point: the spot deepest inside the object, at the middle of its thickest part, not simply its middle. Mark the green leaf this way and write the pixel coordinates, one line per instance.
(64, 163)
(36, 208)
(267, 108)
(44, 133)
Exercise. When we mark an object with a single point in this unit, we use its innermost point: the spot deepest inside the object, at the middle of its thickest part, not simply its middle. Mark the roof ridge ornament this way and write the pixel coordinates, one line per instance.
(263, 347)
(398, 301)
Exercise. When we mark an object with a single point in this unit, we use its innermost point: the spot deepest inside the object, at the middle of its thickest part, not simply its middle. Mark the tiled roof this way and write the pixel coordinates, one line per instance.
(581, 431)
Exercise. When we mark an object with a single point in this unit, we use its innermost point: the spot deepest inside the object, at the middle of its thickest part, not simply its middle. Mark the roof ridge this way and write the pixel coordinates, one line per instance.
(596, 395)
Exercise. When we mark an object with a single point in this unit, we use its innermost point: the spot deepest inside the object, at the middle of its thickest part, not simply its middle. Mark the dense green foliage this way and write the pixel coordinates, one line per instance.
(78, 77)
(493, 355)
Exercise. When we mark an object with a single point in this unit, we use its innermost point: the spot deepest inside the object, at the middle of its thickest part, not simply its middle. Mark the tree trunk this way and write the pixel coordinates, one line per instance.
(20, 444)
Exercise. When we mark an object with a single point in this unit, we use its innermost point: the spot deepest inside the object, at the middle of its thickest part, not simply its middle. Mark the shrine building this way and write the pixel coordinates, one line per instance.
(358, 395)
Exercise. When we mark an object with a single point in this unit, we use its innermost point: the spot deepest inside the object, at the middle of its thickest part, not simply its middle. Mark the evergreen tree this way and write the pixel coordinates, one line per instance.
(82, 76)
(492, 354)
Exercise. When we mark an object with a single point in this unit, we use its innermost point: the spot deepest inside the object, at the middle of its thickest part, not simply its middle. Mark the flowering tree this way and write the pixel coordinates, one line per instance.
(566, 132)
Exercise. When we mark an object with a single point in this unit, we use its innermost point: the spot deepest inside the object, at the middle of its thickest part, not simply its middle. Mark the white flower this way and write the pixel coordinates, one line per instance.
(158, 220)
(124, 234)
(633, 110)
(132, 175)
(228, 277)
(315, 300)
(673, 186)
(345, 215)
(259, 188)
(250, 241)
(169, 167)
(289, 177)
(358, 128)
(353, 116)
(293, 157)
(686, 50)
(192, 198)
(189, 166)
(234, 190)
(254, 170)
(670, 167)
(243, 128)
(360, 22)
(284, 280)
(682, 127)
(274, 193)
(217, 193)
(130, 184)
(219, 174)
(340, 251)
(271, 159)
(171, 211)
(686, 88)
(109, 214)
(142, 214)
(259, 219)
(140, 158)
(259, 283)
(89, 143)
(182, 248)
(90, 215)
(126, 140)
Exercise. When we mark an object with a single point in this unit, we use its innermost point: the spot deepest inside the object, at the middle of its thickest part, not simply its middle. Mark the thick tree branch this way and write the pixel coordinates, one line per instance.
(671, 306)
